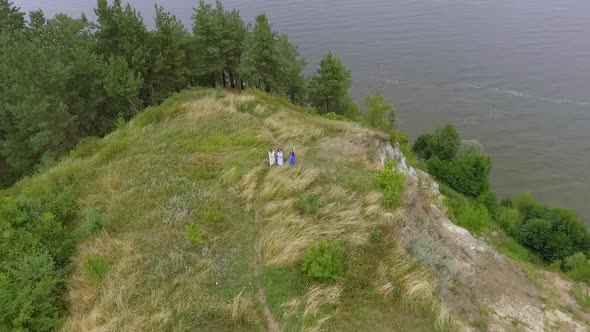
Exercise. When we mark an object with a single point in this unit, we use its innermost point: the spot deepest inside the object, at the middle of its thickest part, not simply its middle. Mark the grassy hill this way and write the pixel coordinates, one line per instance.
(197, 232)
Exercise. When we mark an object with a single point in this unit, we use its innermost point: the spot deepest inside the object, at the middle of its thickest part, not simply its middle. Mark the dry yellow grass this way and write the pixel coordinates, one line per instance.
(157, 276)
(242, 309)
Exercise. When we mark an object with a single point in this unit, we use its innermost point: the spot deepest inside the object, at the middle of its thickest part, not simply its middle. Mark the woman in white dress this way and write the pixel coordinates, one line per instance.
(280, 157)
(271, 157)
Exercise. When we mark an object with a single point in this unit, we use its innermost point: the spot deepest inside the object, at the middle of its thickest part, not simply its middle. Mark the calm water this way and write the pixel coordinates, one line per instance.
(513, 74)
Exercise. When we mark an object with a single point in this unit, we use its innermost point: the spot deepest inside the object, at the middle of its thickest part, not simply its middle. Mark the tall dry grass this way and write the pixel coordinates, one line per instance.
(402, 276)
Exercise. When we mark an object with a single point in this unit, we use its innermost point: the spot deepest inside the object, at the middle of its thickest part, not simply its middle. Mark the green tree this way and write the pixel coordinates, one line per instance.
(123, 40)
(444, 144)
(209, 35)
(292, 82)
(54, 98)
(468, 174)
(11, 18)
(234, 39)
(353, 112)
(328, 87)
(169, 73)
(448, 142)
(378, 111)
(260, 66)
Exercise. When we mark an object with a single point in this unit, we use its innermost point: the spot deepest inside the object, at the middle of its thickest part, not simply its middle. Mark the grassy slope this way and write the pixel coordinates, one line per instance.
(200, 159)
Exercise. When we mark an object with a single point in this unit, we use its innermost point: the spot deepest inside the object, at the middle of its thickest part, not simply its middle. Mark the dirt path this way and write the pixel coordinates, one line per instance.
(273, 326)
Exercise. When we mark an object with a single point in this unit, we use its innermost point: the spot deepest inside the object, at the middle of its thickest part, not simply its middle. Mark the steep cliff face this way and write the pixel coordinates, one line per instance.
(484, 288)
(203, 234)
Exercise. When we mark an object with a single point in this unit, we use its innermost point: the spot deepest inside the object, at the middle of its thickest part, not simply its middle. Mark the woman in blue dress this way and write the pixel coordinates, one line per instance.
(292, 158)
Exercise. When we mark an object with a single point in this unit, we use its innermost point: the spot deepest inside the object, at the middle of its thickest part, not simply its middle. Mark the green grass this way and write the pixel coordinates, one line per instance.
(184, 223)
(97, 267)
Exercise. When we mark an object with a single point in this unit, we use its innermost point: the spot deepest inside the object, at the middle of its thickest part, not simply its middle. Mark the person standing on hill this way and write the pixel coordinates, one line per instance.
(271, 157)
(292, 158)
(279, 157)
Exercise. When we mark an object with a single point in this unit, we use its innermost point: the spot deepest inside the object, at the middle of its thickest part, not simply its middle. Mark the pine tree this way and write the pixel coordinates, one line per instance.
(208, 34)
(328, 88)
(234, 38)
(169, 73)
(292, 81)
(123, 40)
(260, 65)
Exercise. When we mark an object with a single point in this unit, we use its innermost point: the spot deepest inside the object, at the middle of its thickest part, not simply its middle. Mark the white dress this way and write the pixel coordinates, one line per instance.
(271, 158)
(280, 158)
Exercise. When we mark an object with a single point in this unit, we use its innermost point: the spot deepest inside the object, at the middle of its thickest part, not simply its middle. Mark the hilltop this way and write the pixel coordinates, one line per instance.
(185, 226)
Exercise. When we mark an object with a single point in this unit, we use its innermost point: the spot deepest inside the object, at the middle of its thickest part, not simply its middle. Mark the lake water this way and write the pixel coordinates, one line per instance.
(513, 74)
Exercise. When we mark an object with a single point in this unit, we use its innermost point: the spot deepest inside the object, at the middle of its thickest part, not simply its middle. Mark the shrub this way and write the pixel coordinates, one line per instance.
(581, 295)
(334, 116)
(443, 144)
(507, 218)
(473, 216)
(470, 147)
(194, 234)
(214, 214)
(97, 267)
(324, 261)
(93, 222)
(561, 232)
(29, 293)
(466, 174)
(392, 183)
(425, 146)
(538, 235)
(488, 199)
(578, 267)
(353, 112)
(448, 142)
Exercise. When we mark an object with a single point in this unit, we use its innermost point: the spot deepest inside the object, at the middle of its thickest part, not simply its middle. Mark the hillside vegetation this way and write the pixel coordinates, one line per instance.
(175, 221)
(190, 228)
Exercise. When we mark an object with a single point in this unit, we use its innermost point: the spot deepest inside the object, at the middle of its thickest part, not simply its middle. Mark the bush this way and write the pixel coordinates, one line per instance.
(324, 261)
(489, 200)
(194, 234)
(392, 183)
(93, 222)
(425, 146)
(539, 236)
(214, 214)
(97, 267)
(466, 174)
(448, 142)
(470, 147)
(473, 216)
(578, 267)
(561, 233)
(29, 293)
(443, 144)
(507, 218)
(334, 116)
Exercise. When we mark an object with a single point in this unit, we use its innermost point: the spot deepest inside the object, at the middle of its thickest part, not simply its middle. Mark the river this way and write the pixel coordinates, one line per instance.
(513, 74)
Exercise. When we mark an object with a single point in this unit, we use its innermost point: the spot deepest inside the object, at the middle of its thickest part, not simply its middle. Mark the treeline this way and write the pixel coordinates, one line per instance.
(552, 236)
(63, 79)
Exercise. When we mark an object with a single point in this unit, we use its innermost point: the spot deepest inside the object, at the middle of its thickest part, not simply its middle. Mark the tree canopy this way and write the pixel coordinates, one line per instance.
(328, 87)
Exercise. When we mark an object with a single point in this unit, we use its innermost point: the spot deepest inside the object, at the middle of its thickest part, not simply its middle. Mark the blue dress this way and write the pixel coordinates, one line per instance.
(292, 159)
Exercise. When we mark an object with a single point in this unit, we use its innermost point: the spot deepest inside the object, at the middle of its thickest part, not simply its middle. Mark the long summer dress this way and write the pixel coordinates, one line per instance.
(292, 159)
(271, 158)
(280, 158)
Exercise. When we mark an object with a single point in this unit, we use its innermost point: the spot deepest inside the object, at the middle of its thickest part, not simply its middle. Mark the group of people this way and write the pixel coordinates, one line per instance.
(277, 157)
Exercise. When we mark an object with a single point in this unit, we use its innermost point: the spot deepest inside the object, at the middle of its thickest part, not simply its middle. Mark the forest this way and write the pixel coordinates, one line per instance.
(64, 79)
